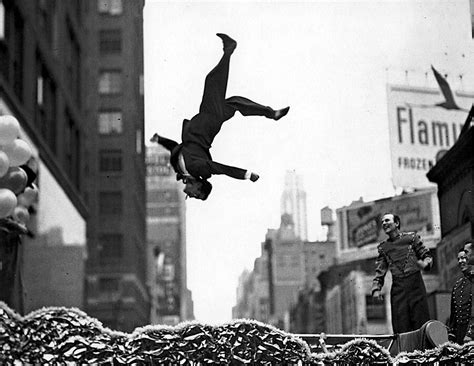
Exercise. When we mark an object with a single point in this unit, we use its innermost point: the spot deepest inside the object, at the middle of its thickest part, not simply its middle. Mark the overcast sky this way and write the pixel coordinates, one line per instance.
(329, 61)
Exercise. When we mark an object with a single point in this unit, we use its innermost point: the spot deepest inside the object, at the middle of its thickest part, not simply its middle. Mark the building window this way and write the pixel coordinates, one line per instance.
(46, 13)
(138, 141)
(111, 247)
(72, 150)
(110, 123)
(110, 82)
(73, 65)
(45, 116)
(375, 309)
(162, 211)
(109, 285)
(110, 7)
(110, 203)
(110, 41)
(11, 46)
(110, 160)
(163, 196)
(2, 21)
(39, 90)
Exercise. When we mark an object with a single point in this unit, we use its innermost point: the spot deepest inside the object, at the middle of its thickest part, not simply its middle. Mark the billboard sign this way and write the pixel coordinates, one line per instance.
(363, 221)
(420, 130)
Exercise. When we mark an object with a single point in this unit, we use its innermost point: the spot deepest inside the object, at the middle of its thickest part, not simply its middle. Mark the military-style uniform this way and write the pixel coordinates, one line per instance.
(461, 307)
(408, 293)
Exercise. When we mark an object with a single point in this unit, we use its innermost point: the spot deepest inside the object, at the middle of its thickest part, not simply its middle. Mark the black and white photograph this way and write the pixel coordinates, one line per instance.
(236, 182)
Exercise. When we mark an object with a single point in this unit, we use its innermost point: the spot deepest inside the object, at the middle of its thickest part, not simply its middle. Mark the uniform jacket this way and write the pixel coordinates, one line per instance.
(461, 303)
(400, 256)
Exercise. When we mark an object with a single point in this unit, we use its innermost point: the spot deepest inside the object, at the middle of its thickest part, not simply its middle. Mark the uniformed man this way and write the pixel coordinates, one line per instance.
(404, 254)
(461, 302)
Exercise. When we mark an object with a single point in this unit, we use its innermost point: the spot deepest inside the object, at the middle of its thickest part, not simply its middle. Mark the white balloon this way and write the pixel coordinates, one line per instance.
(8, 202)
(18, 151)
(4, 163)
(28, 197)
(21, 214)
(9, 129)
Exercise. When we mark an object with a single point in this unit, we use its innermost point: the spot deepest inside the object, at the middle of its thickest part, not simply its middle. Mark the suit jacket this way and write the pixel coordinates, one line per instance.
(197, 137)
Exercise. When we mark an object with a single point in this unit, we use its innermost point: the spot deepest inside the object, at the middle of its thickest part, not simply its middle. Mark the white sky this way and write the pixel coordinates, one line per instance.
(330, 61)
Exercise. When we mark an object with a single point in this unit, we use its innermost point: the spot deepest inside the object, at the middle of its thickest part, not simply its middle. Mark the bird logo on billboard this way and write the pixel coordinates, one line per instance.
(449, 102)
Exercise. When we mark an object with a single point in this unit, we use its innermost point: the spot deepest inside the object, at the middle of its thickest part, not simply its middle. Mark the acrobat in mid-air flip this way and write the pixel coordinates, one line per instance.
(191, 159)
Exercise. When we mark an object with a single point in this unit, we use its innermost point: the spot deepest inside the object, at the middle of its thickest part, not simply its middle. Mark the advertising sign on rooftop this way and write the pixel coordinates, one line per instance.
(420, 130)
(362, 221)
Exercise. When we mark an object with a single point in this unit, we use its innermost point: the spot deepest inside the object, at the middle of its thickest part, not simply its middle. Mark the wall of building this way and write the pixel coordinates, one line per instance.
(116, 266)
(166, 238)
(38, 86)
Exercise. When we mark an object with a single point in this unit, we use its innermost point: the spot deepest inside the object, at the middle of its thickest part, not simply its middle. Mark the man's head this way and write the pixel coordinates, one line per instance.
(199, 189)
(462, 259)
(468, 249)
(390, 223)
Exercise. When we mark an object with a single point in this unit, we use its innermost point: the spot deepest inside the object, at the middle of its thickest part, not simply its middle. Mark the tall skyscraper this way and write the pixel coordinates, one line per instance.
(171, 301)
(293, 203)
(116, 268)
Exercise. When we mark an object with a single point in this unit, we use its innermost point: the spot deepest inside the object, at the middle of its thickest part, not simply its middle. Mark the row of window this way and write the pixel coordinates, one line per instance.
(111, 82)
(110, 7)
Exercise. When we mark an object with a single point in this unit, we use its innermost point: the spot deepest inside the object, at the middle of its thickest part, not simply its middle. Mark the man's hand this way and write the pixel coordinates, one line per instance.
(254, 177)
(425, 263)
(377, 295)
(155, 138)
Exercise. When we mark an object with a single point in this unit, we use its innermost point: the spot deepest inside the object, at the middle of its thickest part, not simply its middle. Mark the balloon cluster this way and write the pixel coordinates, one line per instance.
(17, 191)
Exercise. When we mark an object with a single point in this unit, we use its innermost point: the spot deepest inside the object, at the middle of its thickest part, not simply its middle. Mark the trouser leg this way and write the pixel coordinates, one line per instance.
(418, 303)
(248, 107)
(400, 309)
(215, 85)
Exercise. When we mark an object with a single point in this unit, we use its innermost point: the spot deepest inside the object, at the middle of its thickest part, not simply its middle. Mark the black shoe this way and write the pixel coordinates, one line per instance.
(155, 138)
(254, 177)
(229, 43)
(281, 113)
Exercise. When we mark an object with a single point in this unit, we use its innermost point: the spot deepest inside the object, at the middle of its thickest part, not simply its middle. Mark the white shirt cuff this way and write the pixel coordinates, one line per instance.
(248, 173)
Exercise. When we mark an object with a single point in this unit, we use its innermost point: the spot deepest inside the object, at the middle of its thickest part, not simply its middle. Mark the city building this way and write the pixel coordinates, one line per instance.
(286, 268)
(43, 47)
(171, 301)
(293, 203)
(117, 293)
(241, 309)
(454, 175)
(255, 298)
(307, 313)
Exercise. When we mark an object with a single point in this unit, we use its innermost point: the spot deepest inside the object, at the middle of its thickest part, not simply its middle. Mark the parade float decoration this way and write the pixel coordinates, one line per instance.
(57, 335)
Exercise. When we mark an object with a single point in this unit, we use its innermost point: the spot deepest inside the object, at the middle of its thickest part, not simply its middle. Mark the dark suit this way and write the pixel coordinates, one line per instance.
(198, 134)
